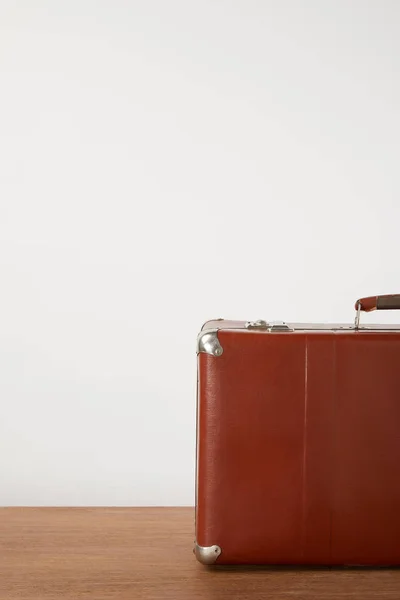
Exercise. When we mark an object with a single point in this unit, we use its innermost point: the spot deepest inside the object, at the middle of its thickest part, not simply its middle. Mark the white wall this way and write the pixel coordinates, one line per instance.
(162, 163)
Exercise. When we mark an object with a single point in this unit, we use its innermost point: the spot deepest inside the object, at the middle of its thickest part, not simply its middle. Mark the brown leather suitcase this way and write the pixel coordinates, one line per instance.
(298, 442)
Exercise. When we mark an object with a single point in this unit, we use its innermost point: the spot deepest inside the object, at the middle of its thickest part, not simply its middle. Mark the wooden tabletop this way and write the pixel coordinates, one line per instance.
(146, 554)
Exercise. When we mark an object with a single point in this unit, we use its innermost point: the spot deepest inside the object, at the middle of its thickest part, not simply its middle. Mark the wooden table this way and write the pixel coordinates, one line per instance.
(146, 554)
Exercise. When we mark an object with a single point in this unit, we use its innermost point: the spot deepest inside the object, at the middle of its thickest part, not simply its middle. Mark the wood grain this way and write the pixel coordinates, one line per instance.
(146, 554)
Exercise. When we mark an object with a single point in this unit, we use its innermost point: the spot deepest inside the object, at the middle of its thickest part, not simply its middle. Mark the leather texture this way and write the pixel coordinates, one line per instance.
(299, 448)
(388, 302)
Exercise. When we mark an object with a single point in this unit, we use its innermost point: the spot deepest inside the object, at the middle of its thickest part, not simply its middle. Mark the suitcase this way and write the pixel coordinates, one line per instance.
(298, 442)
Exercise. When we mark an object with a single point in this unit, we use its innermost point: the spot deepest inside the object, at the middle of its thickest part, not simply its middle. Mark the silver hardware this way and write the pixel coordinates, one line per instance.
(279, 326)
(208, 342)
(260, 324)
(328, 327)
(358, 315)
(276, 326)
(272, 326)
(207, 555)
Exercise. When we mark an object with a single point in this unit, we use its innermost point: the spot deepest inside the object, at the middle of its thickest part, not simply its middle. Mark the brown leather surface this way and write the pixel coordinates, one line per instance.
(386, 302)
(299, 448)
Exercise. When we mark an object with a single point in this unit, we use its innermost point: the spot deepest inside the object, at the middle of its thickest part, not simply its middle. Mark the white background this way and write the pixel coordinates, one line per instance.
(162, 163)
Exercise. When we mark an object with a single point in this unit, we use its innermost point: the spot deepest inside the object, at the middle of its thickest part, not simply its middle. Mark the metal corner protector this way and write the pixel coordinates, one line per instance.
(208, 342)
(206, 555)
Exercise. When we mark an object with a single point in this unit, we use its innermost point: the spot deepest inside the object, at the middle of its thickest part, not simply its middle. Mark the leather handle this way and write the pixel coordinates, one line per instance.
(388, 302)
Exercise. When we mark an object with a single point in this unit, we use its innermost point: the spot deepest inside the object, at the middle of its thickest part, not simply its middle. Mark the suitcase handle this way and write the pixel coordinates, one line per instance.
(387, 302)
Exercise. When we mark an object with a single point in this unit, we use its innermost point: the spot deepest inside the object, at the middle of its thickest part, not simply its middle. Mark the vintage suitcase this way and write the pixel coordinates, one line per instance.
(298, 442)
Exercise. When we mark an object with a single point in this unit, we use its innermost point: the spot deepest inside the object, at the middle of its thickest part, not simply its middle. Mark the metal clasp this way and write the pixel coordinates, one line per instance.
(279, 326)
(272, 326)
(260, 324)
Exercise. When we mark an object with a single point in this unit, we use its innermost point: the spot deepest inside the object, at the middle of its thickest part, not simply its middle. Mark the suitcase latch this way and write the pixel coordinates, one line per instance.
(257, 324)
(272, 326)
